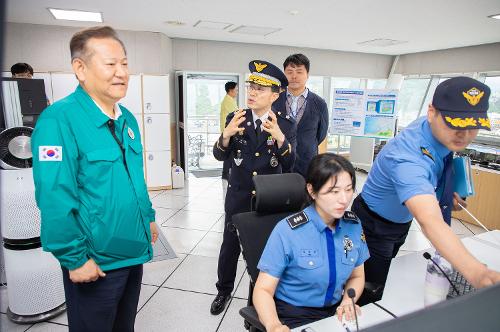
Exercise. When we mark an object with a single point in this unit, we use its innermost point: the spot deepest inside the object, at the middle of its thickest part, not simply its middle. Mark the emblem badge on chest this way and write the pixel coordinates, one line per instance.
(273, 162)
(238, 159)
(348, 245)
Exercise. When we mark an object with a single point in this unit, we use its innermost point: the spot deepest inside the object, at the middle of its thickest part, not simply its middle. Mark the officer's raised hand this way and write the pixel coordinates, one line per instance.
(271, 126)
(88, 272)
(233, 127)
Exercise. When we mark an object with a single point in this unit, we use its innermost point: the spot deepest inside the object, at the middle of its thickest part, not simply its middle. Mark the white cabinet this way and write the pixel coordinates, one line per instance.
(158, 169)
(138, 117)
(133, 100)
(155, 94)
(62, 85)
(157, 128)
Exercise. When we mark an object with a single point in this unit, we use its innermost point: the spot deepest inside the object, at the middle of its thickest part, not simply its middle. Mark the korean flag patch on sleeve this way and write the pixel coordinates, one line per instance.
(50, 153)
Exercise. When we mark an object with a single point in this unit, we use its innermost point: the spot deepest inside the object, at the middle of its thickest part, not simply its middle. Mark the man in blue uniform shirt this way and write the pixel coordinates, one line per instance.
(258, 141)
(411, 178)
(307, 109)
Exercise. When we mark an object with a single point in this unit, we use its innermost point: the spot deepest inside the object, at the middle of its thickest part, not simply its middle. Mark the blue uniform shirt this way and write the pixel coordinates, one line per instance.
(409, 165)
(310, 259)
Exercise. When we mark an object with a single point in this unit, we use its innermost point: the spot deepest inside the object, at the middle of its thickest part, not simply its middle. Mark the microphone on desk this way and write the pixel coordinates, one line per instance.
(428, 257)
(352, 294)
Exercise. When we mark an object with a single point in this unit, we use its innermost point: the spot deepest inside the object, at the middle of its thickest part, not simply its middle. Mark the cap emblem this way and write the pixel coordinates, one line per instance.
(259, 66)
(473, 96)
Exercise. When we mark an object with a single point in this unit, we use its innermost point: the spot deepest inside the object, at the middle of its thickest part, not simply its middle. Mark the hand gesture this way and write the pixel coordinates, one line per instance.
(233, 126)
(88, 272)
(154, 232)
(272, 127)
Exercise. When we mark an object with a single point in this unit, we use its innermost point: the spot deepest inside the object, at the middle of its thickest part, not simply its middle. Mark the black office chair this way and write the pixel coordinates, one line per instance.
(277, 197)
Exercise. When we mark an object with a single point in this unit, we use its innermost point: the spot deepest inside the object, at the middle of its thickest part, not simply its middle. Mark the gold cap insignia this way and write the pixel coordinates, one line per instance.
(473, 96)
(259, 66)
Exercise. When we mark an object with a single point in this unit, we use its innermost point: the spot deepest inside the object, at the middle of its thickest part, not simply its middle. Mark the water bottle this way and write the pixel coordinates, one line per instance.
(436, 285)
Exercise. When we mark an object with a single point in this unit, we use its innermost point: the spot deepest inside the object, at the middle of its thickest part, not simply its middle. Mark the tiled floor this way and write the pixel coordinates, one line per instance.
(176, 294)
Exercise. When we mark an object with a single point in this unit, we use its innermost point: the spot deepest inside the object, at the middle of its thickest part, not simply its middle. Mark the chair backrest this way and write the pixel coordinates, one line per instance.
(277, 197)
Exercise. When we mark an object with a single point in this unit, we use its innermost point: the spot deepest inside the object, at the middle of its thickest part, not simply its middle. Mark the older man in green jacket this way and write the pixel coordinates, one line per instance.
(97, 218)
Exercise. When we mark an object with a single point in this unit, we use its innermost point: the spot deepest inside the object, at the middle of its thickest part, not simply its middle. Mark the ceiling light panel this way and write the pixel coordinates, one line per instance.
(75, 15)
(212, 25)
(256, 31)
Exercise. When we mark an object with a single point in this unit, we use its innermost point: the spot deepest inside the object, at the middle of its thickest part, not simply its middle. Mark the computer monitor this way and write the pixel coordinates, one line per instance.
(477, 311)
(32, 99)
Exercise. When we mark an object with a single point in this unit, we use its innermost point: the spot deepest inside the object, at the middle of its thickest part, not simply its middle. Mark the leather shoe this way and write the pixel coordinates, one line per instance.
(219, 304)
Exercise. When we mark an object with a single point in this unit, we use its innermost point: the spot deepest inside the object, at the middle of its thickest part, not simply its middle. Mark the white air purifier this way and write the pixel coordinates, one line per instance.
(34, 277)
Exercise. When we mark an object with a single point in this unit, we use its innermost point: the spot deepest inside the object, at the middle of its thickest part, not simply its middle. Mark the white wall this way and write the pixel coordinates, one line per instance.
(480, 58)
(214, 56)
(46, 48)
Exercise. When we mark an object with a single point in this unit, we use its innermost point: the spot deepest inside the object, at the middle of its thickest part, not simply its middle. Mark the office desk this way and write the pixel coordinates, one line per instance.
(404, 291)
(370, 315)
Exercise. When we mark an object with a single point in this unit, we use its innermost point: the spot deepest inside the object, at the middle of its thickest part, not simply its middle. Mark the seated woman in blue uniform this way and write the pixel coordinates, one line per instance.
(314, 256)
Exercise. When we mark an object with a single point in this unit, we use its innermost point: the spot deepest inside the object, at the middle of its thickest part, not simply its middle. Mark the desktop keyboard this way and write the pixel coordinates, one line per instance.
(462, 285)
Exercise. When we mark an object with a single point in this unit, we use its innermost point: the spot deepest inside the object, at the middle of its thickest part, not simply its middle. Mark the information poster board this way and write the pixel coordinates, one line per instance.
(361, 112)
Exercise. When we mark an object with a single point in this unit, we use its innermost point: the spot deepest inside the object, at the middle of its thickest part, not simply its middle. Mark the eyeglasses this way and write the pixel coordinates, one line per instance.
(259, 89)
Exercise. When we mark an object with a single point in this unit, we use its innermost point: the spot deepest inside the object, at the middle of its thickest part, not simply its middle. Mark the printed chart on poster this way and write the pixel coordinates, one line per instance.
(361, 112)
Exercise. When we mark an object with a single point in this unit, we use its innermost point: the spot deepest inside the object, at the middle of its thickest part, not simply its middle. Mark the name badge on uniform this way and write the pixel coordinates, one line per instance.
(270, 141)
(238, 159)
(50, 153)
(131, 133)
(274, 161)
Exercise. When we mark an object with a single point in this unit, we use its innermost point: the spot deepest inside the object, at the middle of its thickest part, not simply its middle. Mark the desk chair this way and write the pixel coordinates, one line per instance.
(277, 197)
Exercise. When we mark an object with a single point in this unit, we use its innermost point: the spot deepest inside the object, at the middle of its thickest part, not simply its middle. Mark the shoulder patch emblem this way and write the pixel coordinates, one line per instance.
(49, 153)
(350, 216)
(363, 237)
(298, 219)
(426, 152)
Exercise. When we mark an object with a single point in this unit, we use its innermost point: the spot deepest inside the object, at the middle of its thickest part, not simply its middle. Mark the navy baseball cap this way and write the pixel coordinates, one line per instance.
(266, 74)
(463, 103)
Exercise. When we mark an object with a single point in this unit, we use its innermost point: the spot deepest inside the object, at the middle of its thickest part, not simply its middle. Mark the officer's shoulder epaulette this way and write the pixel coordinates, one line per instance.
(350, 216)
(297, 219)
(427, 153)
(284, 116)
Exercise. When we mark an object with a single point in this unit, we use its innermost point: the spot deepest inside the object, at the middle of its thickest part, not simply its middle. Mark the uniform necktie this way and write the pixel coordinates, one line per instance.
(445, 188)
(258, 130)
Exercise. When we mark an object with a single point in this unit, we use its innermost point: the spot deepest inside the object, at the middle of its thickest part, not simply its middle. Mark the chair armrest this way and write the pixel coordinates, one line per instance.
(251, 317)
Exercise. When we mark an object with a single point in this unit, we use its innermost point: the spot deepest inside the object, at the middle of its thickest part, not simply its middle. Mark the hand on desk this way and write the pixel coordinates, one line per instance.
(485, 278)
(345, 308)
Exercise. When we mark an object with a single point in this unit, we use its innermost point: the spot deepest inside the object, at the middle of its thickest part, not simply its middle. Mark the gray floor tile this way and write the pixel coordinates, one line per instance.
(416, 241)
(177, 311)
(8, 326)
(205, 205)
(155, 273)
(199, 274)
(182, 240)
(209, 246)
(232, 321)
(193, 220)
(61, 319)
(219, 225)
(242, 290)
(169, 201)
(154, 193)
(48, 327)
(163, 214)
(146, 293)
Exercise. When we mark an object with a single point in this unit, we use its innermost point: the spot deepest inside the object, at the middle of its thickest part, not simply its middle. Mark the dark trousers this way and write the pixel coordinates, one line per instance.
(228, 258)
(383, 237)
(107, 304)
(293, 316)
